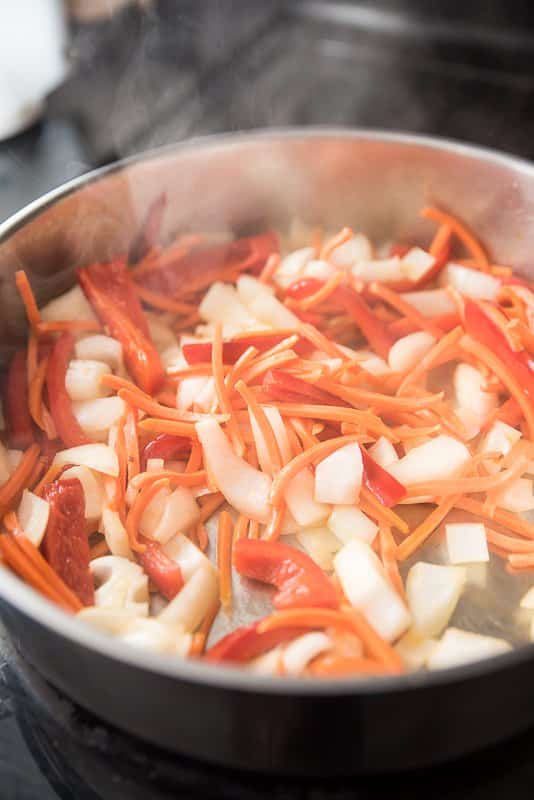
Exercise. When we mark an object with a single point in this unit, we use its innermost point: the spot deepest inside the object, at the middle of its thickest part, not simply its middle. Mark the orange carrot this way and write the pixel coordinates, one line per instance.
(27, 297)
(19, 478)
(388, 549)
(468, 239)
(271, 265)
(209, 505)
(395, 300)
(162, 302)
(420, 534)
(173, 427)
(264, 425)
(74, 325)
(340, 238)
(224, 559)
(136, 512)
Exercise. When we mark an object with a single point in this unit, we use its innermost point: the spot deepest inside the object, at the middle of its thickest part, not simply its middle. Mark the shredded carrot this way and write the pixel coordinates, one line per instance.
(440, 349)
(275, 525)
(202, 536)
(264, 425)
(20, 477)
(507, 519)
(440, 240)
(242, 363)
(340, 238)
(210, 504)
(189, 479)
(445, 487)
(28, 298)
(521, 560)
(224, 559)
(271, 265)
(509, 544)
(223, 398)
(137, 509)
(321, 342)
(418, 536)
(35, 393)
(74, 325)
(201, 637)
(241, 527)
(406, 309)
(50, 475)
(382, 514)
(468, 239)
(262, 365)
(373, 643)
(388, 555)
(173, 427)
(162, 302)
(364, 419)
(306, 437)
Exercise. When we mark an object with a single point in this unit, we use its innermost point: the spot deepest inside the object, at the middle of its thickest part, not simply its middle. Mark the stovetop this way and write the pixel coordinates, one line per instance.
(159, 76)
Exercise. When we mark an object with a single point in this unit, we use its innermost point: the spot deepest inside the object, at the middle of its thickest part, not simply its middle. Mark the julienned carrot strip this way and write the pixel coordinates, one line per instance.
(200, 638)
(224, 559)
(35, 393)
(173, 427)
(505, 375)
(321, 342)
(395, 300)
(271, 265)
(431, 358)
(149, 406)
(50, 475)
(509, 544)
(202, 536)
(241, 527)
(274, 527)
(316, 453)
(469, 485)
(521, 560)
(136, 512)
(264, 425)
(373, 643)
(188, 479)
(426, 528)
(376, 400)
(403, 326)
(440, 240)
(307, 439)
(265, 363)
(340, 238)
(194, 462)
(242, 363)
(162, 301)
(70, 325)
(388, 549)
(364, 419)
(223, 398)
(19, 478)
(381, 513)
(210, 504)
(27, 297)
(507, 519)
(463, 233)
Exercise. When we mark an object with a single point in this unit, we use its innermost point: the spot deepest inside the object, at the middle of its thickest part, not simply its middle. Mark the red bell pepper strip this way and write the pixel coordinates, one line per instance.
(200, 352)
(203, 265)
(165, 446)
(300, 582)
(149, 234)
(284, 387)
(162, 570)
(65, 544)
(246, 643)
(109, 290)
(67, 426)
(380, 482)
(480, 327)
(18, 419)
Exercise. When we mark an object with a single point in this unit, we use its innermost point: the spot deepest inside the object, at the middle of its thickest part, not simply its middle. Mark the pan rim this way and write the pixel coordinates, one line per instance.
(33, 605)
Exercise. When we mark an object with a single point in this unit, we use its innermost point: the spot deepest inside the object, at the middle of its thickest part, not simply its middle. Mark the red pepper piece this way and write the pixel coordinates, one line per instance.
(162, 570)
(109, 290)
(300, 582)
(18, 419)
(246, 643)
(204, 265)
(304, 287)
(165, 446)
(399, 250)
(380, 482)
(284, 387)
(480, 327)
(200, 352)
(65, 544)
(67, 426)
(150, 229)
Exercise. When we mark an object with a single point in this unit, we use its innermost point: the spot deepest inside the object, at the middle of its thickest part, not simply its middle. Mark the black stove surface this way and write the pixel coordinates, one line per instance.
(155, 77)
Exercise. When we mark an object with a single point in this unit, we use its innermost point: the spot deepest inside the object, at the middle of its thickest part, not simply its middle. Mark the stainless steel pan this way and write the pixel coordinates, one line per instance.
(373, 181)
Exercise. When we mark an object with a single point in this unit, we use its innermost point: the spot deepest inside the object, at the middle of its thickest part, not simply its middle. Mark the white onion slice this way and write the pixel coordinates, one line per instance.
(249, 289)
(415, 650)
(500, 438)
(97, 416)
(357, 248)
(466, 542)
(195, 600)
(517, 497)
(70, 305)
(338, 477)
(298, 653)
(385, 270)
(33, 514)
(279, 429)
(470, 282)
(469, 385)
(99, 457)
(300, 500)
(406, 352)
(155, 464)
(83, 379)
(431, 302)
(321, 545)
(115, 534)
(348, 523)
(92, 489)
(245, 488)
(272, 312)
(269, 663)
(383, 452)
(153, 512)
(321, 270)
(416, 263)
(180, 512)
(432, 592)
(107, 620)
(441, 457)
(188, 391)
(460, 647)
(367, 588)
(154, 635)
(120, 583)
(221, 303)
(187, 555)
(291, 266)
(100, 348)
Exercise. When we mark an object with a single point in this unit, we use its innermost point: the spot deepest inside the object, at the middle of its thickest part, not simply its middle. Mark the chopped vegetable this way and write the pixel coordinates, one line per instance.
(433, 592)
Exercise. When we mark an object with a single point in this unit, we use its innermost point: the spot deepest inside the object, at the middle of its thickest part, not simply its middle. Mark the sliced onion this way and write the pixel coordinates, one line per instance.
(357, 248)
(338, 477)
(460, 647)
(249, 289)
(367, 588)
(188, 391)
(161, 334)
(469, 385)
(406, 352)
(153, 512)
(180, 513)
(83, 379)
(470, 282)
(297, 654)
(187, 555)
(321, 545)
(517, 497)
(431, 302)
(321, 270)
(245, 488)
(272, 312)
(280, 433)
(415, 650)
(156, 636)
(500, 438)
(292, 265)
(221, 303)
(107, 620)
(92, 490)
(300, 500)
(195, 600)
(348, 523)
(207, 396)
(97, 416)
(471, 422)
(120, 583)
(172, 357)
(370, 362)
(527, 601)
(33, 514)
(99, 457)
(385, 270)
(466, 542)
(70, 305)
(416, 263)
(441, 457)
(432, 592)
(115, 534)
(383, 452)
(100, 348)
(269, 663)
(155, 464)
